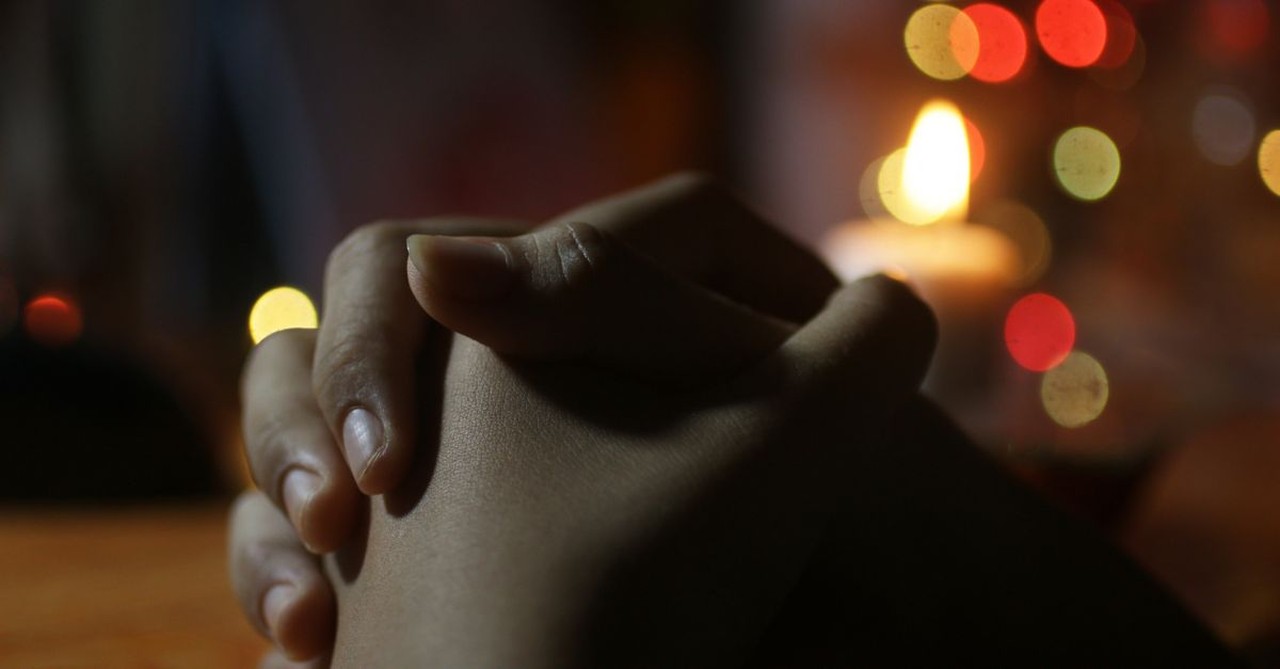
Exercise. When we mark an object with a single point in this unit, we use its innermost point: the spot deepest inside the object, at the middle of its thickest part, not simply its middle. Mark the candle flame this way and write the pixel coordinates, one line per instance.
(935, 168)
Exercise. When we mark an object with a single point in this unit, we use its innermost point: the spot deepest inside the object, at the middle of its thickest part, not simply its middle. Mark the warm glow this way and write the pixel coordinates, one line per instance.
(1075, 392)
(942, 41)
(1039, 332)
(935, 166)
(279, 309)
(53, 320)
(1269, 161)
(949, 254)
(1086, 162)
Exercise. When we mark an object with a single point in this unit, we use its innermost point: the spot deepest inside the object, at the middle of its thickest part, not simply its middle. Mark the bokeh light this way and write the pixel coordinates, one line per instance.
(869, 187)
(1269, 161)
(893, 198)
(1028, 233)
(1223, 127)
(1072, 32)
(279, 309)
(1233, 29)
(1002, 43)
(1086, 162)
(942, 41)
(1122, 35)
(1039, 332)
(935, 166)
(53, 320)
(1075, 392)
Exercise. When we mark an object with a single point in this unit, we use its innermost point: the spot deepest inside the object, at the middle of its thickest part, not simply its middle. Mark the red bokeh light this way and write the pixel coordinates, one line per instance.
(977, 150)
(1039, 332)
(1233, 28)
(1122, 35)
(1002, 43)
(53, 320)
(1072, 32)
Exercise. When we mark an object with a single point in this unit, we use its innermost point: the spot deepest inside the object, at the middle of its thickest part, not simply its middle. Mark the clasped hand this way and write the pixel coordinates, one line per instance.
(614, 440)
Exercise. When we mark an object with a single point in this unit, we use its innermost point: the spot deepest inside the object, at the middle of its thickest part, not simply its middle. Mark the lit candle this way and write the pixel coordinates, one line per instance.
(964, 271)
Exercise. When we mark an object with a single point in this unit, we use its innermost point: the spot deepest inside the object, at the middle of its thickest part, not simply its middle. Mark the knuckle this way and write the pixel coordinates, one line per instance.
(267, 444)
(361, 242)
(568, 256)
(334, 379)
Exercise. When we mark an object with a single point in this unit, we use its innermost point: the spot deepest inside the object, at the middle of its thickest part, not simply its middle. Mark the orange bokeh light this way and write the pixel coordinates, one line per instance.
(53, 320)
(1002, 43)
(1072, 32)
(1039, 332)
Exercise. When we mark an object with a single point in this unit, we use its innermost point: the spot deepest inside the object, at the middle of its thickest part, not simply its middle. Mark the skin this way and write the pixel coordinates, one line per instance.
(808, 544)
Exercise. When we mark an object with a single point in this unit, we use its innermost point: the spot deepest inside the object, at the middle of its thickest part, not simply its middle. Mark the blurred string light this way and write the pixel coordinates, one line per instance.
(1028, 233)
(1002, 43)
(53, 320)
(1072, 32)
(1086, 162)
(279, 309)
(1075, 392)
(1223, 127)
(1269, 161)
(1039, 332)
(942, 41)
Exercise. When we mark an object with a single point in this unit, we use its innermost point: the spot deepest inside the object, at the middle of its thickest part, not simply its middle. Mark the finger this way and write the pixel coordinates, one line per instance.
(873, 340)
(278, 583)
(290, 449)
(572, 292)
(370, 333)
(697, 229)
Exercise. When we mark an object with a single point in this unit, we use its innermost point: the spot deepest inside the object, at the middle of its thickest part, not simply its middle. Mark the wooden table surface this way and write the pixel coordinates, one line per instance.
(140, 588)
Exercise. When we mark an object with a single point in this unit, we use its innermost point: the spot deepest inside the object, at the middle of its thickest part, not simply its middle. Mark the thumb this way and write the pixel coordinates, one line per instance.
(574, 292)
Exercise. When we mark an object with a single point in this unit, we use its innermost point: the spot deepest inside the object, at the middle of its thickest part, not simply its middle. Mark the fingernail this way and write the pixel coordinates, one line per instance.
(361, 439)
(300, 485)
(273, 604)
(474, 269)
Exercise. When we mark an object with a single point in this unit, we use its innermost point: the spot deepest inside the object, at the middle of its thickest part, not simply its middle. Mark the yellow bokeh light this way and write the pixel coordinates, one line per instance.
(942, 41)
(1269, 161)
(279, 309)
(869, 188)
(1075, 392)
(1086, 162)
(889, 185)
